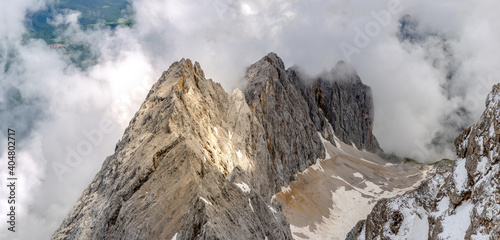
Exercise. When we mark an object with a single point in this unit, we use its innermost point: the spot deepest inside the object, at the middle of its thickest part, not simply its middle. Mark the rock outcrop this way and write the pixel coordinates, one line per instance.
(463, 203)
(348, 106)
(198, 163)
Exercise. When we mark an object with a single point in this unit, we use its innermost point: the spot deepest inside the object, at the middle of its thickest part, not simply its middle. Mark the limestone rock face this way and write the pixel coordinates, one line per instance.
(198, 163)
(463, 203)
(291, 135)
(348, 106)
(168, 174)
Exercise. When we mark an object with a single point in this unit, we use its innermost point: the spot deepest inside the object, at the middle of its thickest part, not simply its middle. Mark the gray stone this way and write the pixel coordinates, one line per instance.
(347, 104)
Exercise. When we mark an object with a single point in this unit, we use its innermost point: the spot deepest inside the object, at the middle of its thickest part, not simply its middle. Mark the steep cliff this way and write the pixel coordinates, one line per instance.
(198, 163)
(291, 135)
(169, 172)
(348, 106)
(462, 203)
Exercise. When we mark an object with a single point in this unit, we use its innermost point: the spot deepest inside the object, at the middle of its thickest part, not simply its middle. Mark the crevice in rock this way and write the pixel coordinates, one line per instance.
(114, 216)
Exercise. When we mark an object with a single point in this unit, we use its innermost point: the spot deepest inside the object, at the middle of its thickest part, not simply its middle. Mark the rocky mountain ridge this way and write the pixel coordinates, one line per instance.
(198, 163)
(352, 112)
(458, 203)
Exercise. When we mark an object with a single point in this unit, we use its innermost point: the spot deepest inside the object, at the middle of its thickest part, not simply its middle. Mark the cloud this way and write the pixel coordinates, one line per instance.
(425, 91)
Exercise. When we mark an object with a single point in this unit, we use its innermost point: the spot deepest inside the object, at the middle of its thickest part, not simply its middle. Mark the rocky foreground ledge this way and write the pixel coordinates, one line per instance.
(460, 204)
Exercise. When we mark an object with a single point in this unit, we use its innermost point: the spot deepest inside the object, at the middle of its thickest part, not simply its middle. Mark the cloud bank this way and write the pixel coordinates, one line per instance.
(429, 77)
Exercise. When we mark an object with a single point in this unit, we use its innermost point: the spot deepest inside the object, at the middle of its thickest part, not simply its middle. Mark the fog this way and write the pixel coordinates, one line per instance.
(429, 77)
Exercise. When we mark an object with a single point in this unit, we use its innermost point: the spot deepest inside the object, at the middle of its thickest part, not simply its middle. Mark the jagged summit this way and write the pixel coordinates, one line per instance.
(273, 59)
(183, 73)
(197, 162)
(348, 105)
(339, 95)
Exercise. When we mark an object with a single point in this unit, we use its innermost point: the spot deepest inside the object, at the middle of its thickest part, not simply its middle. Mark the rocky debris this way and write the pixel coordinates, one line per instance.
(198, 163)
(332, 195)
(461, 204)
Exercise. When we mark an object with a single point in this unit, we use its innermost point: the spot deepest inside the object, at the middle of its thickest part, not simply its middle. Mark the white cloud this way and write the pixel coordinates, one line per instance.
(61, 101)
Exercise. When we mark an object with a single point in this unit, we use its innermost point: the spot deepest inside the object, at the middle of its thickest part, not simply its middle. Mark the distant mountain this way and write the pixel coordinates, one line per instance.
(458, 203)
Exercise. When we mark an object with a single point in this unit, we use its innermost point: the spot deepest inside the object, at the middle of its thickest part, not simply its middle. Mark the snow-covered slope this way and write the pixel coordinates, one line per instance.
(332, 195)
(461, 204)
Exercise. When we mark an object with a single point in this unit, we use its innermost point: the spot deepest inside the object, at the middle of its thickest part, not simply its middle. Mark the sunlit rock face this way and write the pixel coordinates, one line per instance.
(169, 172)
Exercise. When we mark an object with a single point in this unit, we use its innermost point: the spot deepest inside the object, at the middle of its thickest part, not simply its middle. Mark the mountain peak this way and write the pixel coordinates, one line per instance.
(184, 70)
(182, 77)
(273, 59)
(270, 67)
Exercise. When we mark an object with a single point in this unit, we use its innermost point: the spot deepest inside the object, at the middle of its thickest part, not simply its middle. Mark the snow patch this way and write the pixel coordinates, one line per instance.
(206, 201)
(250, 204)
(337, 143)
(322, 139)
(480, 142)
(491, 131)
(230, 134)
(316, 166)
(358, 175)
(455, 226)
(481, 165)
(442, 206)
(327, 155)
(271, 209)
(480, 237)
(175, 237)
(238, 153)
(413, 175)
(373, 188)
(363, 232)
(415, 224)
(362, 159)
(354, 146)
(286, 190)
(216, 132)
(460, 175)
(244, 187)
